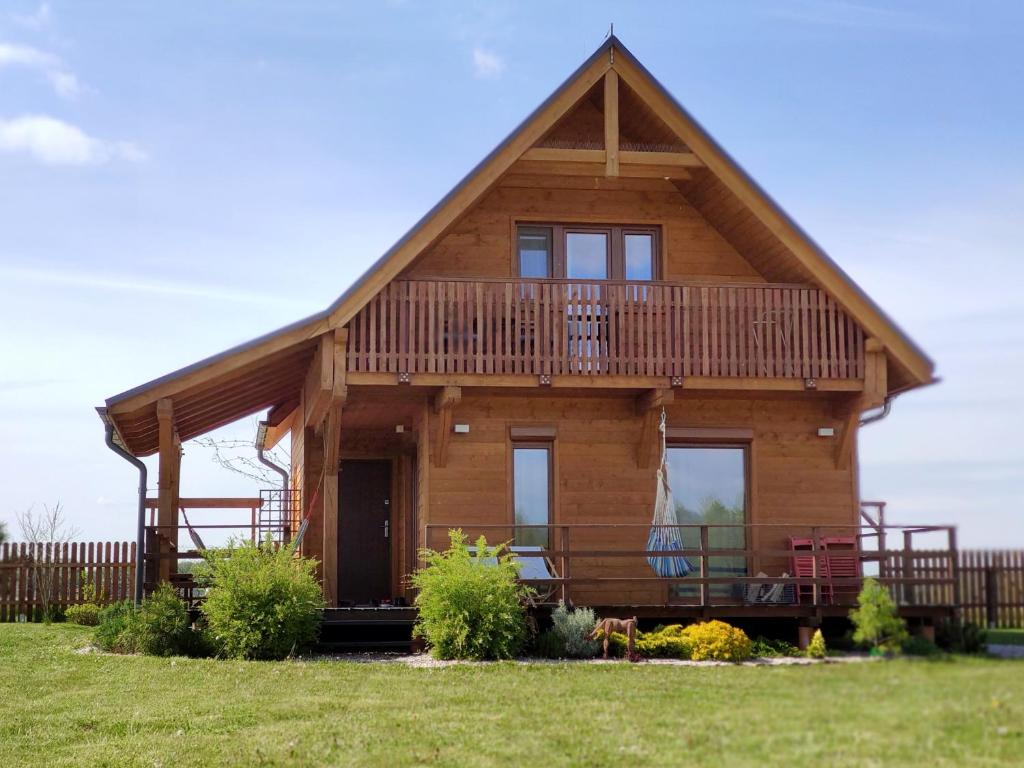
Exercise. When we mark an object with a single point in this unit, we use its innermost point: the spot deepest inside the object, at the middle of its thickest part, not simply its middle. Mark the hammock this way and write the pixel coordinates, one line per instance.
(666, 535)
(192, 532)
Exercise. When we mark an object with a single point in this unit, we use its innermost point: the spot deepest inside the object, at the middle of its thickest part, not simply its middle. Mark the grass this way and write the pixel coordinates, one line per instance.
(1006, 636)
(60, 708)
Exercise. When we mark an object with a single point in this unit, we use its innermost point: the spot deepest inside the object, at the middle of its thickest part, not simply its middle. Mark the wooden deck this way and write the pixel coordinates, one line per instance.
(605, 328)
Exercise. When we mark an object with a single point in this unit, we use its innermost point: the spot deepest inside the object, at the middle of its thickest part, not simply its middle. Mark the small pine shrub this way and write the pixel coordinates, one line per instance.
(816, 649)
(965, 637)
(573, 628)
(161, 625)
(262, 602)
(875, 620)
(114, 632)
(768, 648)
(717, 641)
(471, 605)
(86, 614)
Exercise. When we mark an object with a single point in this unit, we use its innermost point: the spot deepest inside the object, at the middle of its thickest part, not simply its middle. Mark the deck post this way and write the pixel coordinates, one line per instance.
(816, 567)
(168, 485)
(565, 565)
(909, 593)
(954, 565)
(991, 597)
(704, 569)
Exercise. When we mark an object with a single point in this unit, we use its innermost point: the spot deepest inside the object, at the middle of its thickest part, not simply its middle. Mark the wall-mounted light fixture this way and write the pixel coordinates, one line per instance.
(826, 432)
(462, 429)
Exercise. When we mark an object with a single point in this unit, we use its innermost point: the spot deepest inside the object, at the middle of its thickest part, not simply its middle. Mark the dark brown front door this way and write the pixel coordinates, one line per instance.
(364, 536)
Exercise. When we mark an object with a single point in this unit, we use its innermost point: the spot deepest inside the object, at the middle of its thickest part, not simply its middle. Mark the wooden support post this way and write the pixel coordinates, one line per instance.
(318, 388)
(444, 403)
(704, 566)
(909, 593)
(954, 566)
(816, 567)
(611, 123)
(847, 439)
(332, 454)
(803, 636)
(168, 485)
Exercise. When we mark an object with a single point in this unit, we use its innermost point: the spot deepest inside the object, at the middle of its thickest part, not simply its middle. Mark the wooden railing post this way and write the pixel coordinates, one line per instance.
(704, 567)
(991, 597)
(909, 593)
(566, 560)
(816, 566)
(954, 565)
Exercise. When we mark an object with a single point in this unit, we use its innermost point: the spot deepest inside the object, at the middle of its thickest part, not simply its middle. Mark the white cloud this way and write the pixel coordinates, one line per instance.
(40, 19)
(54, 142)
(487, 63)
(63, 82)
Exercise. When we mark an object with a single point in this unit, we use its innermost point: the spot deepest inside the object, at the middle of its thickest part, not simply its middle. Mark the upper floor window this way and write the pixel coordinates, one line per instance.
(587, 252)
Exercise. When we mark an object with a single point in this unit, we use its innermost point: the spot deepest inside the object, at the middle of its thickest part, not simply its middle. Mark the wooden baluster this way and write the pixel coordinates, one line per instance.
(704, 566)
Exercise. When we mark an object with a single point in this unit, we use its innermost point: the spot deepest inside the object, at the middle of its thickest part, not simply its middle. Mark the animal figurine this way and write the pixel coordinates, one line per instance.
(626, 627)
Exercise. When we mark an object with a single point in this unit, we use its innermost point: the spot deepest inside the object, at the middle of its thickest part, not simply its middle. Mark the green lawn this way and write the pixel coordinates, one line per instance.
(59, 707)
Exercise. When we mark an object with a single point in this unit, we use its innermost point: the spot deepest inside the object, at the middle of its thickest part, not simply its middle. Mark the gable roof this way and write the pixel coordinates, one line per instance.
(793, 251)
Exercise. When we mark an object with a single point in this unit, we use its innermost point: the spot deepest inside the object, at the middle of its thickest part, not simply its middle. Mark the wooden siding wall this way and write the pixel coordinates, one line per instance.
(480, 245)
(793, 475)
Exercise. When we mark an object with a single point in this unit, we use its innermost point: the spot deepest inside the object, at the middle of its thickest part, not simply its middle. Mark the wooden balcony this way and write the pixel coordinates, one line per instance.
(605, 328)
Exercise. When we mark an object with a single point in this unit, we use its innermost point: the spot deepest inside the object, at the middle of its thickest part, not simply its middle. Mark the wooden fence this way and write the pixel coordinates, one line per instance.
(29, 573)
(992, 586)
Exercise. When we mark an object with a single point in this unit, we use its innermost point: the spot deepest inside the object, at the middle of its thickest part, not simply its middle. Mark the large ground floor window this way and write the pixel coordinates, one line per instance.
(531, 492)
(709, 485)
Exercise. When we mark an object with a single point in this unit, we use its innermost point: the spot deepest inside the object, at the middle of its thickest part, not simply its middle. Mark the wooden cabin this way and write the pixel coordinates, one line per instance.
(504, 368)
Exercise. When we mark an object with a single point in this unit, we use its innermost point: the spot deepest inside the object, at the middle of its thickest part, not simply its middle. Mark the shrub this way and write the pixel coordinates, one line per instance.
(113, 633)
(662, 643)
(816, 649)
(918, 645)
(966, 637)
(875, 620)
(161, 625)
(718, 641)
(573, 628)
(262, 602)
(769, 648)
(86, 614)
(470, 604)
(548, 645)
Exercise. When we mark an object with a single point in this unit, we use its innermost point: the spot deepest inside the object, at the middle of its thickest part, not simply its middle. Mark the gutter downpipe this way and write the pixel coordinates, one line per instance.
(267, 462)
(141, 530)
(880, 414)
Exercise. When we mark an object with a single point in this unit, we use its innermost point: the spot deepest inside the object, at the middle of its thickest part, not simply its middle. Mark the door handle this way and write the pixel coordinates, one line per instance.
(387, 528)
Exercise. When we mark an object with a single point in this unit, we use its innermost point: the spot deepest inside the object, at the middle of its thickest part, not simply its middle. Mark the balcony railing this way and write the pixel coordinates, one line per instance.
(559, 327)
(820, 566)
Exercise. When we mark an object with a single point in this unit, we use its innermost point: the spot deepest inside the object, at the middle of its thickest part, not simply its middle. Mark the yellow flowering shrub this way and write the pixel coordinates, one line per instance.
(716, 641)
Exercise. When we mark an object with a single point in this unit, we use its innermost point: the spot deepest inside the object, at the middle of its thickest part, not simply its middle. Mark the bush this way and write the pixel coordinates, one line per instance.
(262, 602)
(86, 614)
(161, 625)
(875, 620)
(816, 649)
(967, 637)
(112, 631)
(470, 604)
(717, 641)
(573, 628)
(918, 645)
(771, 648)
(548, 645)
(662, 643)
(767, 648)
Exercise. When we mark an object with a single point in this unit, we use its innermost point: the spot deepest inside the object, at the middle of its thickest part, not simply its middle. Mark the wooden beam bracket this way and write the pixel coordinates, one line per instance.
(648, 406)
(444, 403)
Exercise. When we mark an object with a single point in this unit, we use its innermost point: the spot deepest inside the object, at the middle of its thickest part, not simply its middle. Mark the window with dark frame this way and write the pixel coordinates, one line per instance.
(710, 486)
(587, 252)
(532, 491)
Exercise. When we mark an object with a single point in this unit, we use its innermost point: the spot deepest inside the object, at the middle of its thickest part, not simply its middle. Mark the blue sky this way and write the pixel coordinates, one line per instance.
(176, 178)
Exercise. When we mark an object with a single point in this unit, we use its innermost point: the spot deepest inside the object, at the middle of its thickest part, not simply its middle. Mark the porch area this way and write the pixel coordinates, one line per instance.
(763, 570)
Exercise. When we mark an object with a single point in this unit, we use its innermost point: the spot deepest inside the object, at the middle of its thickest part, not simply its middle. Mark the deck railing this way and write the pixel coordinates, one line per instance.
(607, 563)
(563, 327)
